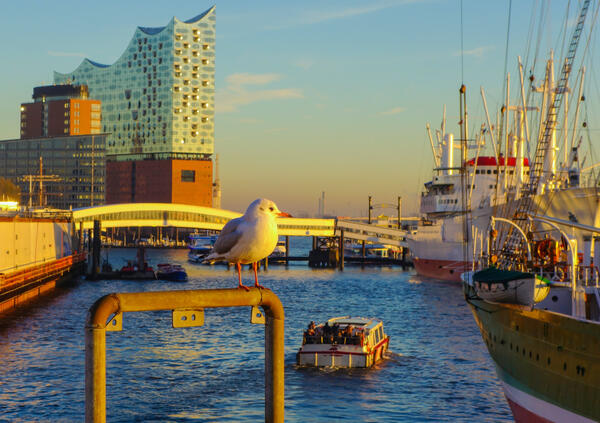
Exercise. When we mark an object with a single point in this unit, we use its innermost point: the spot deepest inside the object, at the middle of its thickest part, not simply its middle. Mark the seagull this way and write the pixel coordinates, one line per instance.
(248, 239)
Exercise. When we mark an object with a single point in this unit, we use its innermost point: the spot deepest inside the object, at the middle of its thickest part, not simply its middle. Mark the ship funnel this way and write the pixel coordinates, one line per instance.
(447, 152)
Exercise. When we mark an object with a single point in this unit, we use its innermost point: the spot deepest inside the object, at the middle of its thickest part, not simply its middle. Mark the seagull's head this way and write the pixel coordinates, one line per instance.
(262, 206)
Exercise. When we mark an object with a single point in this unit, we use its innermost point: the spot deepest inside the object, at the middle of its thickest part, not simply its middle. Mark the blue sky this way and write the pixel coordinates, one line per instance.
(311, 96)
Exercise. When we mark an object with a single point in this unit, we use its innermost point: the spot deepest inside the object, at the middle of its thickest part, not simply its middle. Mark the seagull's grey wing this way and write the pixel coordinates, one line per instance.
(229, 236)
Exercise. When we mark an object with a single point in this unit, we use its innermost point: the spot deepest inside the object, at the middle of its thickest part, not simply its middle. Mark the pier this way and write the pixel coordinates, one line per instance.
(330, 236)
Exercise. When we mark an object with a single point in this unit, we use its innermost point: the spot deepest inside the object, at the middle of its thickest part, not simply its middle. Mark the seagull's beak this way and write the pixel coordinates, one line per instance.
(283, 214)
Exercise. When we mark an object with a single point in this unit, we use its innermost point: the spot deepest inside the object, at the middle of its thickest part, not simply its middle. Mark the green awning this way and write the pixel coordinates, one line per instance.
(492, 274)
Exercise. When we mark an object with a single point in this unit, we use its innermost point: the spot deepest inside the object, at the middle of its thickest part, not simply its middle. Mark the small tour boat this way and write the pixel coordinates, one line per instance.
(171, 272)
(343, 342)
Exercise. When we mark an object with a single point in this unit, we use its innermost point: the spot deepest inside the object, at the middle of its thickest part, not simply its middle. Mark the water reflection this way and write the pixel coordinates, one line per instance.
(437, 368)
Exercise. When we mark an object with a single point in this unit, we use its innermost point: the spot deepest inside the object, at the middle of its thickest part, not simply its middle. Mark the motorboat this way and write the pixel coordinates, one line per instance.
(280, 250)
(343, 342)
(509, 286)
(171, 272)
(200, 246)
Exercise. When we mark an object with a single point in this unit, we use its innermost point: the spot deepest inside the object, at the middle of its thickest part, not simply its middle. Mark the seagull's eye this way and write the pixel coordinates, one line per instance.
(271, 208)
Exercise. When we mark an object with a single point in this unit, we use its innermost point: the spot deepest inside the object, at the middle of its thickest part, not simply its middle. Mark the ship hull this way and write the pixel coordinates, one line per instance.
(548, 363)
(438, 250)
(445, 270)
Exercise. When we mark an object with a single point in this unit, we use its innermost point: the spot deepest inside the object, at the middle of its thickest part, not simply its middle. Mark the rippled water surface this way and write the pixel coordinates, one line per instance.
(437, 369)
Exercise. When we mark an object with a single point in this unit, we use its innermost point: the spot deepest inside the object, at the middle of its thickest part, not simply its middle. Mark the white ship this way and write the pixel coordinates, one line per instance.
(491, 182)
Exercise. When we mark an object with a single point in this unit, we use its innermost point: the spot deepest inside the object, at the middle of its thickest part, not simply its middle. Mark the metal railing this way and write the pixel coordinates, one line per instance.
(187, 311)
(33, 274)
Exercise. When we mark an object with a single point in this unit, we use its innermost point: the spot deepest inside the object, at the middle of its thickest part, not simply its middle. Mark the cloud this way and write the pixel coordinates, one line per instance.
(321, 15)
(236, 93)
(239, 79)
(65, 54)
(393, 111)
(248, 121)
(476, 52)
(304, 63)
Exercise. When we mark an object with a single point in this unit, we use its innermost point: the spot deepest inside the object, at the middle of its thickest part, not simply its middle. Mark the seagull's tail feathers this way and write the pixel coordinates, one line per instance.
(212, 257)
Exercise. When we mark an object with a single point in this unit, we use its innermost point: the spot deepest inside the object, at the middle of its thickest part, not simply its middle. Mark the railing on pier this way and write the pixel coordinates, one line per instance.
(371, 233)
(38, 273)
(187, 311)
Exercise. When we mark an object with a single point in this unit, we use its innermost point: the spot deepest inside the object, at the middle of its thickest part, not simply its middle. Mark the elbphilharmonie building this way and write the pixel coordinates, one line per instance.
(158, 110)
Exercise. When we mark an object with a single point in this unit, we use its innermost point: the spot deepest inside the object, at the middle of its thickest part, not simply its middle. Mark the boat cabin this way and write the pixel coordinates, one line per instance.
(343, 342)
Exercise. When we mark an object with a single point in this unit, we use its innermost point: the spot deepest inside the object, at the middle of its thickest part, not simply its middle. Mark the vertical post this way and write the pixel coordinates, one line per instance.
(274, 369)
(266, 263)
(596, 252)
(341, 249)
(80, 248)
(95, 374)
(370, 208)
(314, 242)
(287, 249)
(399, 212)
(96, 250)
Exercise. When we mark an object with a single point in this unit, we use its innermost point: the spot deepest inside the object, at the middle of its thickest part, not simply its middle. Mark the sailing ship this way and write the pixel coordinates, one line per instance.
(546, 348)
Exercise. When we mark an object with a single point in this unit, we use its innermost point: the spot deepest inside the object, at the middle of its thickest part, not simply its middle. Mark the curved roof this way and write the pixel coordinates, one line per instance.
(198, 17)
(100, 65)
(145, 30)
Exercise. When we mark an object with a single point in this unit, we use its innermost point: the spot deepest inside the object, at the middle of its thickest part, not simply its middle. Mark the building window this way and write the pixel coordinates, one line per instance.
(188, 176)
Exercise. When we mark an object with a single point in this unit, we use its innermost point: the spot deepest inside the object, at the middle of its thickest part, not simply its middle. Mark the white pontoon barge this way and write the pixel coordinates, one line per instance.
(343, 342)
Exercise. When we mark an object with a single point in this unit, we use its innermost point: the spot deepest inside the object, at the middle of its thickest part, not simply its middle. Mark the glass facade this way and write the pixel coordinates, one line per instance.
(158, 97)
(78, 162)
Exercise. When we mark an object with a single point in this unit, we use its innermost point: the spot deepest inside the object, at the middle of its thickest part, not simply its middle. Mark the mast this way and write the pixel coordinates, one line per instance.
(509, 253)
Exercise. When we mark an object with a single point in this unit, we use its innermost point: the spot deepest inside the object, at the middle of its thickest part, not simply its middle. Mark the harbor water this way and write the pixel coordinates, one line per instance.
(437, 369)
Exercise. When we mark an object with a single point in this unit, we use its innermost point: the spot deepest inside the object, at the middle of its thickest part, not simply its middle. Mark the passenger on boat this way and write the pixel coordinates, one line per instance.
(311, 329)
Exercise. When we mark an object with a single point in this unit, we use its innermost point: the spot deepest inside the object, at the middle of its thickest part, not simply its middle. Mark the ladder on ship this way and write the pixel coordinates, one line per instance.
(512, 242)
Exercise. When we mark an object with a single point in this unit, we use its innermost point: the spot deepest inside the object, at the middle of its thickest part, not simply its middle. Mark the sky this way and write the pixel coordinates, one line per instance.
(311, 96)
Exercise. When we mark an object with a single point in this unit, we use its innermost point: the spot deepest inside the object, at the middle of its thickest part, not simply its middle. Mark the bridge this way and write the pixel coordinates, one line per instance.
(197, 217)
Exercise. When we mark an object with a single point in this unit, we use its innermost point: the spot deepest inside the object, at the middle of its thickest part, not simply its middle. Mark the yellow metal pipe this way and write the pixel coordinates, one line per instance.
(105, 307)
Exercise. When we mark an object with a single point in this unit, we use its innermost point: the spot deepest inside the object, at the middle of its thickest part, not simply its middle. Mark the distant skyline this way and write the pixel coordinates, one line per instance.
(310, 96)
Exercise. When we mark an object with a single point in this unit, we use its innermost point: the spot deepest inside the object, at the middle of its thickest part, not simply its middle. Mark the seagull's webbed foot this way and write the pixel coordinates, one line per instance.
(239, 272)
(256, 284)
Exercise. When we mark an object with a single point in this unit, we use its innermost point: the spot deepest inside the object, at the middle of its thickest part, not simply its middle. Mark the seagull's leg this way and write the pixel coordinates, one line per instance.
(254, 266)
(239, 272)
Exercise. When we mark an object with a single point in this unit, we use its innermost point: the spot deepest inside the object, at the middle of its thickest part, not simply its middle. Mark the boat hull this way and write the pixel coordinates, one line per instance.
(178, 276)
(518, 291)
(446, 270)
(333, 355)
(549, 363)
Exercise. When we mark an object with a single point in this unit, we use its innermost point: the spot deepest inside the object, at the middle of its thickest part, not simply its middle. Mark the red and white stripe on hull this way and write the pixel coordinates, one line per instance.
(529, 409)
(446, 270)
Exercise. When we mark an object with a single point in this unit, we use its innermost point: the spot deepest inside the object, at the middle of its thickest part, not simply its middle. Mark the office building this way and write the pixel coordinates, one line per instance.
(59, 110)
(58, 172)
